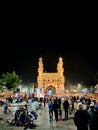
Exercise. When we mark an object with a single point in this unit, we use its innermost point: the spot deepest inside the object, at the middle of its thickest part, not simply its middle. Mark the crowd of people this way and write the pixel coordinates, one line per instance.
(85, 111)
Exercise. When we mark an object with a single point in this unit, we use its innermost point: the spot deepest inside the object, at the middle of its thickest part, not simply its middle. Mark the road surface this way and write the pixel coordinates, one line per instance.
(42, 123)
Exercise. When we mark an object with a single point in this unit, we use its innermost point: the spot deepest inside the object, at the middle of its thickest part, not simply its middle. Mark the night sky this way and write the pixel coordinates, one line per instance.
(23, 49)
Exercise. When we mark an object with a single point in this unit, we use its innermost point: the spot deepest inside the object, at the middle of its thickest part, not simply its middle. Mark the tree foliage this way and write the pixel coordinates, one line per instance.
(10, 80)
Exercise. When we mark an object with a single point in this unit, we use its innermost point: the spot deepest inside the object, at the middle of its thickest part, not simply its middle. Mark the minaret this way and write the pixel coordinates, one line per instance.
(60, 68)
(40, 68)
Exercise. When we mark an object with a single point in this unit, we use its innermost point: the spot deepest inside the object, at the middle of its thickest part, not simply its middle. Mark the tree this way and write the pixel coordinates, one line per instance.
(11, 80)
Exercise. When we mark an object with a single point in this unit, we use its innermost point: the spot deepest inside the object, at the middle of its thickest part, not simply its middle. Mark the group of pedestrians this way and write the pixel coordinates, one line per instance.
(56, 107)
(85, 111)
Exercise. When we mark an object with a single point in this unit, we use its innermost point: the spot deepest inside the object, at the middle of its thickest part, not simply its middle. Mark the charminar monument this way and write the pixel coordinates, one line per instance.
(53, 82)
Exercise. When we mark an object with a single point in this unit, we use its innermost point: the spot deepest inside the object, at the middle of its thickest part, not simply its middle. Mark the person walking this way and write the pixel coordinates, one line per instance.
(6, 106)
(55, 108)
(93, 119)
(50, 107)
(66, 107)
(44, 100)
(61, 109)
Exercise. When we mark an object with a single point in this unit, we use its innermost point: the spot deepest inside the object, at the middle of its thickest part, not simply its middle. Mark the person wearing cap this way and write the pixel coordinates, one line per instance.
(81, 118)
(93, 119)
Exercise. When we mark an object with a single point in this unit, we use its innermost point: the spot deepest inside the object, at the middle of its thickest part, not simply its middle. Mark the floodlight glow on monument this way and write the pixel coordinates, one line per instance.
(53, 81)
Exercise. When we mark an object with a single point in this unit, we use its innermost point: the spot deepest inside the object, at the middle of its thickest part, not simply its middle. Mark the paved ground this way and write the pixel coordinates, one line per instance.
(42, 123)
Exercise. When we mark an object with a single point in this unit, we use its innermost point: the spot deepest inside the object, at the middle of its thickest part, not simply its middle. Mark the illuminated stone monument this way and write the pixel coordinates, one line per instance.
(51, 82)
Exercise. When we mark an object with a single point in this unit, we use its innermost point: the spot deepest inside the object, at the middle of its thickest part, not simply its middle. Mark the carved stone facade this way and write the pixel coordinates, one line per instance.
(51, 81)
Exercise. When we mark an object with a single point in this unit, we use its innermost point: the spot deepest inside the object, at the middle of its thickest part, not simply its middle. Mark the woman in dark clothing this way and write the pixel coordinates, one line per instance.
(59, 105)
(66, 107)
(81, 118)
(55, 108)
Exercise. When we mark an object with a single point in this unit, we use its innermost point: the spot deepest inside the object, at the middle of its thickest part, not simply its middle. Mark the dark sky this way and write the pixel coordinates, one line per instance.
(20, 52)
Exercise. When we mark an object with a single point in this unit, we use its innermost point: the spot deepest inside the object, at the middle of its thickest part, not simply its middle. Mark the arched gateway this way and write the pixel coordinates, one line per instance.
(53, 82)
(51, 90)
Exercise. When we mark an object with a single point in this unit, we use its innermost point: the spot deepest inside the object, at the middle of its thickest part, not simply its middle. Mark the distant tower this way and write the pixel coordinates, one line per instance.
(60, 68)
(40, 73)
(51, 82)
(41, 68)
